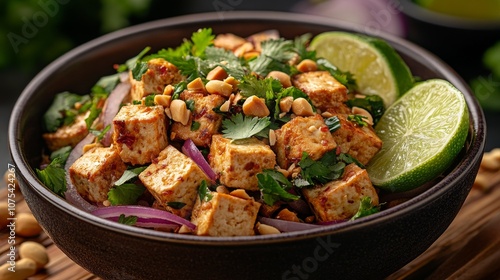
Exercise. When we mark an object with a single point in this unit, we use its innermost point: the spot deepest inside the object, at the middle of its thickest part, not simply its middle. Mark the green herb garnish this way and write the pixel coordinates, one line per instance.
(204, 192)
(125, 194)
(54, 176)
(127, 220)
(273, 186)
(365, 208)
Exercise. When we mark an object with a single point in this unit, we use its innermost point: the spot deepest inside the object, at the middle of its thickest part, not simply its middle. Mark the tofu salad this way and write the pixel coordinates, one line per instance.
(220, 136)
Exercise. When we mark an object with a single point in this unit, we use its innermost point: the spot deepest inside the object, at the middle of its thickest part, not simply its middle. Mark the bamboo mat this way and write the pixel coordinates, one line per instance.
(468, 249)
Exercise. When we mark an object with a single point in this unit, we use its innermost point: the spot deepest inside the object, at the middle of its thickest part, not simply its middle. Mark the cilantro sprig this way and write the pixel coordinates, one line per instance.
(54, 176)
(274, 187)
(366, 208)
(242, 127)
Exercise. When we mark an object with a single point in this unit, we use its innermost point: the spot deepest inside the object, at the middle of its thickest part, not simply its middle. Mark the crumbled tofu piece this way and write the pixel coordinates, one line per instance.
(238, 163)
(203, 123)
(140, 133)
(302, 134)
(68, 135)
(173, 177)
(324, 90)
(95, 172)
(340, 199)
(160, 73)
(225, 215)
(361, 142)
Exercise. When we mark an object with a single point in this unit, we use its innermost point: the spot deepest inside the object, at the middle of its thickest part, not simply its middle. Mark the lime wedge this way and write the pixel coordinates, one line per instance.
(375, 65)
(422, 133)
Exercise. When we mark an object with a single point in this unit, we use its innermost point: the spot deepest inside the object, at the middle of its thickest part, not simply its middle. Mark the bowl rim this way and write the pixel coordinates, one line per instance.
(477, 126)
(417, 12)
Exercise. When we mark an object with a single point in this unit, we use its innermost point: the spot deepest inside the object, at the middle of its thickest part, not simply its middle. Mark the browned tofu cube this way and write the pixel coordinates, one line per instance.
(238, 163)
(225, 215)
(302, 134)
(228, 41)
(95, 172)
(325, 92)
(160, 73)
(68, 135)
(340, 199)
(173, 178)
(203, 123)
(140, 133)
(361, 142)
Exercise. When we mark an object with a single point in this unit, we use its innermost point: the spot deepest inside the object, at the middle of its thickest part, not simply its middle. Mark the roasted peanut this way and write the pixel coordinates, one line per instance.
(301, 107)
(24, 269)
(362, 112)
(179, 111)
(4, 214)
(163, 100)
(256, 107)
(272, 137)
(267, 229)
(282, 77)
(219, 87)
(241, 50)
(35, 251)
(287, 215)
(286, 104)
(232, 81)
(222, 189)
(307, 65)
(27, 225)
(241, 193)
(218, 73)
(196, 85)
(225, 106)
(169, 89)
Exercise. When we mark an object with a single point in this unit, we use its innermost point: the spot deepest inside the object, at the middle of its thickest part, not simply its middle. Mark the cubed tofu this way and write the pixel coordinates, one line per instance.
(225, 215)
(140, 133)
(302, 134)
(360, 142)
(160, 73)
(228, 41)
(238, 163)
(96, 171)
(173, 177)
(325, 92)
(340, 199)
(67, 135)
(203, 123)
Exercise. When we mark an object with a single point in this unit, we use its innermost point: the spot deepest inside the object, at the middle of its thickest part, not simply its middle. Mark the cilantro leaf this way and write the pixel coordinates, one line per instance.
(54, 176)
(272, 185)
(62, 153)
(204, 192)
(333, 123)
(139, 69)
(95, 110)
(127, 220)
(275, 55)
(242, 127)
(132, 62)
(322, 171)
(372, 103)
(226, 59)
(125, 194)
(365, 208)
(106, 84)
(55, 116)
(300, 47)
(357, 119)
(176, 204)
(129, 174)
(201, 40)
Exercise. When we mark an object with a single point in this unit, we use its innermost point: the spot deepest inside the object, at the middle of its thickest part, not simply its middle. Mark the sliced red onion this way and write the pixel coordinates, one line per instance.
(300, 206)
(71, 194)
(190, 150)
(332, 222)
(143, 213)
(287, 226)
(111, 108)
(150, 223)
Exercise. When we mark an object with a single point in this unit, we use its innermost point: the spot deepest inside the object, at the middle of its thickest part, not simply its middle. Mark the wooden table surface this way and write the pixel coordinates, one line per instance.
(468, 249)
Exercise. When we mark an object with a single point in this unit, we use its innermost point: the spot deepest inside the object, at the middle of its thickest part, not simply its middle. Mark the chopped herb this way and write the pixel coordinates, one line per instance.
(243, 127)
(227, 60)
(129, 174)
(132, 62)
(127, 220)
(54, 176)
(204, 192)
(69, 116)
(195, 126)
(139, 70)
(125, 194)
(95, 109)
(348, 159)
(372, 103)
(357, 119)
(106, 84)
(274, 56)
(136, 102)
(55, 116)
(300, 47)
(178, 89)
(176, 204)
(365, 208)
(190, 104)
(344, 78)
(149, 100)
(100, 133)
(273, 185)
(321, 171)
(62, 153)
(333, 123)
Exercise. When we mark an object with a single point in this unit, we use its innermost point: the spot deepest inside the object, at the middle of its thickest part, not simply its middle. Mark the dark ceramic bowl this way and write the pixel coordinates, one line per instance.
(460, 42)
(372, 247)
